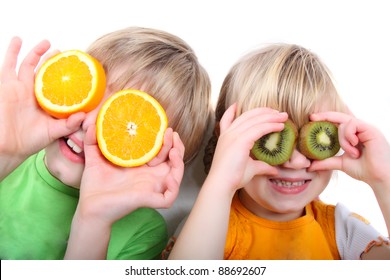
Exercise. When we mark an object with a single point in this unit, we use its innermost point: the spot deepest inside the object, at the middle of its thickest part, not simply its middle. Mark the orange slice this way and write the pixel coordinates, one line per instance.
(69, 82)
(130, 128)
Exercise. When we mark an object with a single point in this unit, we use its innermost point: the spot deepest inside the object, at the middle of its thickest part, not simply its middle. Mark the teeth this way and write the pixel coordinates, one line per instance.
(288, 183)
(74, 147)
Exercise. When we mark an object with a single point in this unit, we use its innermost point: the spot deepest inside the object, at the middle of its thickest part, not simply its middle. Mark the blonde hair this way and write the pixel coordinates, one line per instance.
(285, 77)
(167, 68)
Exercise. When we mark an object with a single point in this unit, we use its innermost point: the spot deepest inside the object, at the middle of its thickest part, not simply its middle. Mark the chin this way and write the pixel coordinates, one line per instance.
(70, 176)
(72, 182)
(288, 209)
(67, 172)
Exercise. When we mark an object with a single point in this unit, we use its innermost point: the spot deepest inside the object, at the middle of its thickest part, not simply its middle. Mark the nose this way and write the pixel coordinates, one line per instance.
(297, 161)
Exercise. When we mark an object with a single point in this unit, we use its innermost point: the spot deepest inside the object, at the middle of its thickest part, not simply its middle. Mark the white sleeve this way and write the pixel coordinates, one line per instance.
(353, 233)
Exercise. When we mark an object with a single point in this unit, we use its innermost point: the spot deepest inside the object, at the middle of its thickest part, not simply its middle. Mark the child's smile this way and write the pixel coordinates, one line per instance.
(289, 185)
(282, 197)
(72, 149)
(73, 145)
(65, 158)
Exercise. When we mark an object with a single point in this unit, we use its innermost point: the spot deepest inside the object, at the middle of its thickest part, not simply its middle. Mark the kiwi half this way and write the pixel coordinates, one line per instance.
(276, 148)
(319, 140)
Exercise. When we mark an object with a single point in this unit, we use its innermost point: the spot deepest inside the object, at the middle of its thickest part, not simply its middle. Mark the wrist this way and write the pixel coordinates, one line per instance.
(88, 238)
(218, 188)
(92, 217)
(380, 185)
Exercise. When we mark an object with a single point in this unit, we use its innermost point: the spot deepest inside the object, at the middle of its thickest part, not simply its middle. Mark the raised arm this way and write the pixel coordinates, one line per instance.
(366, 158)
(25, 128)
(204, 233)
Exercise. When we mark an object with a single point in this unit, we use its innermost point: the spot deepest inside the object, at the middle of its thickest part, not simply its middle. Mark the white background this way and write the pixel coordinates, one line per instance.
(350, 36)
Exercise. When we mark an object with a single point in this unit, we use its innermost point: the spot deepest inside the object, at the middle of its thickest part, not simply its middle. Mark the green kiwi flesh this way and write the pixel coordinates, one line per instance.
(276, 148)
(319, 140)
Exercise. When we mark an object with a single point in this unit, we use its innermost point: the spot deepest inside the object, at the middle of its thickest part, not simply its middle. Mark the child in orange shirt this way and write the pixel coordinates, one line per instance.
(252, 210)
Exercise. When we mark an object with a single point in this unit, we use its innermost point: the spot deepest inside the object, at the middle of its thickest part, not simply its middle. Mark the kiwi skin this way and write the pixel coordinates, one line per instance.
(280, 145)
(319, 140)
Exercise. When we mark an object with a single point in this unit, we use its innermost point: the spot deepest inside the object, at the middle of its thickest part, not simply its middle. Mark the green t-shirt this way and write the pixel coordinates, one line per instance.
(36, 212)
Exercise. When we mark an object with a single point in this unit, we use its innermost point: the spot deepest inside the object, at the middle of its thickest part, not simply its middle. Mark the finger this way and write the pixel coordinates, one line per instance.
(228, 117)
(90, 136)
(177, 164)
(258, 115)
(62, 127)
(176, 155)
(346, 130)
(46, 56)
(257, 131)
(165, 148)
(171, 192)
(27, 68)
(351, 130)
(93, 156)
(10, 60)
(363, 131)
(174, 178)
(255, 117)
(334, 117)
(345, 142)
(333, 163)
(178, 144)
(263, 168)
(158, 200)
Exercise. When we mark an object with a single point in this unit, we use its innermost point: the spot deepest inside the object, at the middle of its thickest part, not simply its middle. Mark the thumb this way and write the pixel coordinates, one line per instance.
(333, 163)
(63, 127)
(263, 168)
(93, 156)
(90, 136)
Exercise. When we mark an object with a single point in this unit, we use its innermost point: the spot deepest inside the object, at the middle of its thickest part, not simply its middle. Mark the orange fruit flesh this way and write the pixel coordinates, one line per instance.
(70, 82)
(130, 129)
(61, 73)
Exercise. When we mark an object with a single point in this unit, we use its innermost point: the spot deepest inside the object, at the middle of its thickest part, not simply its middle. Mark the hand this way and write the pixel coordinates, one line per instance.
(25, 128)
(232, 161)
(110, 192)
(366, 151)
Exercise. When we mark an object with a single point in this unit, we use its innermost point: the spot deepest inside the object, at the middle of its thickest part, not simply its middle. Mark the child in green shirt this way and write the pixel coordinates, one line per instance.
(45, 196)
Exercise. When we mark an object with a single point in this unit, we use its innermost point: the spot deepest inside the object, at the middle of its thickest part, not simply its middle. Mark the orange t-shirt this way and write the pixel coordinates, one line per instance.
(311, 236)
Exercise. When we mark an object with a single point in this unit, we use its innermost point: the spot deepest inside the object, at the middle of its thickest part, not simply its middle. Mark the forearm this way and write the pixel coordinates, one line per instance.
(382, 194)
(8, 164)
(88, 239)
(204, 233)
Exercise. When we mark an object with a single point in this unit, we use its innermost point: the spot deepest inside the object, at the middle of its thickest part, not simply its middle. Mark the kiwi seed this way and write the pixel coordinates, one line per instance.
(319, 140)
(276, 147)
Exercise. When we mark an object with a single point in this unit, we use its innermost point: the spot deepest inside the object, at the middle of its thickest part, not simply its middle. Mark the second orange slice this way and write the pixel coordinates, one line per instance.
(130, 128)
